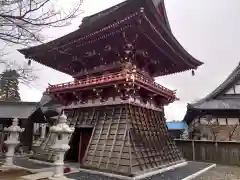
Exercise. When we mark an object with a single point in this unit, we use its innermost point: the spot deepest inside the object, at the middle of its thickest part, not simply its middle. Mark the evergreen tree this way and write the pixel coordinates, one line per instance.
(9, 90)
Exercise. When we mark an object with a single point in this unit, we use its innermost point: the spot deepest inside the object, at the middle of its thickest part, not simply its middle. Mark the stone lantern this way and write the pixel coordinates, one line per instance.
(62, 132)
(12, 141)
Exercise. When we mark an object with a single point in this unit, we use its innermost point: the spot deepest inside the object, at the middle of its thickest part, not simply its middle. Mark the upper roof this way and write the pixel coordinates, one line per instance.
(143, 20)
(89, 20)
(12, 109)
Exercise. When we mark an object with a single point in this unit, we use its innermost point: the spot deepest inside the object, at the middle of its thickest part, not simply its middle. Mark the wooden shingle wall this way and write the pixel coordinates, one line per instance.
(128, 139)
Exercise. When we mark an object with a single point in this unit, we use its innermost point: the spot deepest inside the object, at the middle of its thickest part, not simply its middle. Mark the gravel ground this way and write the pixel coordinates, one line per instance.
(221, 173)
(12, 174)
(218, 173)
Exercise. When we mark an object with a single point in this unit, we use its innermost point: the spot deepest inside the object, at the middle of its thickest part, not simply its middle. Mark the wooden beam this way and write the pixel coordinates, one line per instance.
(99, 137)
(114, 139)
(107, 136)
(135, 127)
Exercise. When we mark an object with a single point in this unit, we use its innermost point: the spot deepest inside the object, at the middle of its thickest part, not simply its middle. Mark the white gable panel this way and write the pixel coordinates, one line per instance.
(237, 89)
(230, 91)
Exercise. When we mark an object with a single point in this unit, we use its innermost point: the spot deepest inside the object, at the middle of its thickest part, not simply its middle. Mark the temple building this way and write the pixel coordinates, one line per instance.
(114, 104)
(216, 117)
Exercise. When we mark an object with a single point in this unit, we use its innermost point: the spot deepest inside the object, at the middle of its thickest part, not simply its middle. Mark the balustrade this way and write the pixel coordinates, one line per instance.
(108, 78)
(86, 82)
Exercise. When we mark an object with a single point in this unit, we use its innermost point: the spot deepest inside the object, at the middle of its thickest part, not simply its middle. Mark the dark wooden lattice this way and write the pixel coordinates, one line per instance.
(126, 139)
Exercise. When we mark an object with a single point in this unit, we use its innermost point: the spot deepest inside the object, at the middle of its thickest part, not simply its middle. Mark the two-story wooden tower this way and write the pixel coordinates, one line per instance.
(114, 103)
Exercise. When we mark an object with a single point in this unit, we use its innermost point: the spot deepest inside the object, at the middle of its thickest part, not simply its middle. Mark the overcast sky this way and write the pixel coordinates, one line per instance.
(208, 30)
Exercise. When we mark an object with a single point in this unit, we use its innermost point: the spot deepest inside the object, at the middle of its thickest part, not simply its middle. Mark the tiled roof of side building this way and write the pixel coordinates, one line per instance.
(214, 101)
(21, 110)
(217, 99)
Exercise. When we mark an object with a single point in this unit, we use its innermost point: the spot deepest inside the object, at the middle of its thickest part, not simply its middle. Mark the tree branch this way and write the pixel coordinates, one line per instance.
(21, 21)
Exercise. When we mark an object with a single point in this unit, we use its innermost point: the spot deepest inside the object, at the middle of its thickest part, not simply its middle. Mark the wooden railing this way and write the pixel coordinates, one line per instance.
(86, 82)
(154, 84)
(105, 79)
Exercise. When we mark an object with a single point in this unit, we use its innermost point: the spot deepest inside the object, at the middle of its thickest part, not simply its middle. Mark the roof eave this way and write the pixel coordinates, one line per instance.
(222, 87)
(194, 63)
(28, 52)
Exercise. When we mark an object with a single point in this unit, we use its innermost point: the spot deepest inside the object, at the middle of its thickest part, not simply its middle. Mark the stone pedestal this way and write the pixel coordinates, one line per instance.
(12, 141)
(60, 147)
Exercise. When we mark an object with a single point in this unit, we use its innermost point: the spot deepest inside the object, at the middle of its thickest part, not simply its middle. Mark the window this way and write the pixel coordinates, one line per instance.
(60, 137)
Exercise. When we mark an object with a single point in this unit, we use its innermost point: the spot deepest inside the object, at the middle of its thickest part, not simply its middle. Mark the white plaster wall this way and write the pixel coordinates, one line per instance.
(233, 121)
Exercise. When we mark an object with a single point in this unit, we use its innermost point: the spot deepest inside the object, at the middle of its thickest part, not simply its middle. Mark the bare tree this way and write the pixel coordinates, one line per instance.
(21, 21)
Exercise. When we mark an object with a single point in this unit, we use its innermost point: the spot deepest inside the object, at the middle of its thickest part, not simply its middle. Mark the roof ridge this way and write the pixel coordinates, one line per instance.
(18, 102)
(223, 86)
(111, 9)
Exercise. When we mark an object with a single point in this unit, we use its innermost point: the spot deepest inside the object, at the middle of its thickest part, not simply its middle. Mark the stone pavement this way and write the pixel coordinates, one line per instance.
(23, 162)
(221, 173)
(175, 174)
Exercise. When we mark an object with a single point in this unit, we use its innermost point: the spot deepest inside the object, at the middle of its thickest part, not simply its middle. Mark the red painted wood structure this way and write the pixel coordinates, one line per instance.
(114, 57)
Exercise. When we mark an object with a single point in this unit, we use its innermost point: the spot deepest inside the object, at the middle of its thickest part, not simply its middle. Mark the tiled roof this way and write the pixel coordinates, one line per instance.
(212, 101)
(217, 100)
(21, 110)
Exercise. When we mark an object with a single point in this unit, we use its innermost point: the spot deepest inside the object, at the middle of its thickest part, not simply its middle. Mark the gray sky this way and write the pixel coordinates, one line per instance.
(208, 30)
